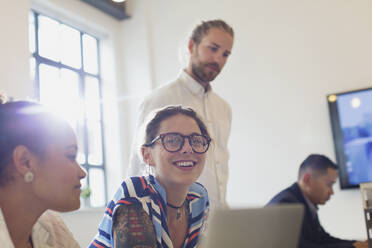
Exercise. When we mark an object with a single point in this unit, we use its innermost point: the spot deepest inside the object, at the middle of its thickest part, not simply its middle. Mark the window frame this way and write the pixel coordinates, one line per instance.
(82, 75)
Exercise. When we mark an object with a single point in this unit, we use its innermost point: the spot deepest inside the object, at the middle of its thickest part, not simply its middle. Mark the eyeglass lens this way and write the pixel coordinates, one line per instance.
(175, 142)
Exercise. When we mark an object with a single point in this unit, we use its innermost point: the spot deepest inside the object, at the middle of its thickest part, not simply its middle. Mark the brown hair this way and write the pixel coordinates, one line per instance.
(153, 125)
(202, 29)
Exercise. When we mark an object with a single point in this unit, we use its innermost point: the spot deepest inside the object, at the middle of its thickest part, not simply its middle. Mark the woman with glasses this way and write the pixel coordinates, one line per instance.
(167, 209)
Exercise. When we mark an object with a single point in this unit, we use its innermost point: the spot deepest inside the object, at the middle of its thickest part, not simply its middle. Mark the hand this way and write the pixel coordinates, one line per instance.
(361, 244)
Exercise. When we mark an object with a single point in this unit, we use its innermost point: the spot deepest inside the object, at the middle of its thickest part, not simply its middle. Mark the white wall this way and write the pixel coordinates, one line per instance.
(14, 66)
(287, 56)
(84, 224)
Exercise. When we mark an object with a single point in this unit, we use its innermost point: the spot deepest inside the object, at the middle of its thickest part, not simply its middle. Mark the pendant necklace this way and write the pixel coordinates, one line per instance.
(179, 214)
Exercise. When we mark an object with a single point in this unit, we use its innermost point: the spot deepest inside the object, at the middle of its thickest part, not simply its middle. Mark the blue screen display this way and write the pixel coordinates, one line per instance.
(355, 121)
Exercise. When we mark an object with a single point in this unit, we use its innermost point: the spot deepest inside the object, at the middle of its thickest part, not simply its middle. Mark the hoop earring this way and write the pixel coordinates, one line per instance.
(28, 177)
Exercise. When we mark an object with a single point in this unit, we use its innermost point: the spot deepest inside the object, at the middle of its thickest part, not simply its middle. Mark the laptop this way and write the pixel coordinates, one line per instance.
(275, 226)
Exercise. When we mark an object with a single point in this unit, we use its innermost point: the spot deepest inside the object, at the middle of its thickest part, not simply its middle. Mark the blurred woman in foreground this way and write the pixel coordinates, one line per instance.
(38, 171)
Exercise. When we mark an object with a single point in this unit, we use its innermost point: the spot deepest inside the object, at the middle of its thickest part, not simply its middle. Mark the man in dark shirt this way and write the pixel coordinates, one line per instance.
(316, 177)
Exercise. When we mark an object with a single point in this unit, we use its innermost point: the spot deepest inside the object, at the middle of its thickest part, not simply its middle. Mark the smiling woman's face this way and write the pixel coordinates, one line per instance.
(176, 168)
(57, 180)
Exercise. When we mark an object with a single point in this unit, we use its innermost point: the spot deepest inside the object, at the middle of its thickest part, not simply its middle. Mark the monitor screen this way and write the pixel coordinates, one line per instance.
(351, 120)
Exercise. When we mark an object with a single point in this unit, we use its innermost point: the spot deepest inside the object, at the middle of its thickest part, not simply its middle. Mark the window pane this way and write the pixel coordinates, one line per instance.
(49, 38)
(81, 144)
(72, 94)
(83, 201)
(94, 143)
(69, 99)
(97, 186)
(59, 90)
(71, 54)
(32, 68)
(90, 54)
(80, 156)
(92, 98)
(49, 80)
(31, 32)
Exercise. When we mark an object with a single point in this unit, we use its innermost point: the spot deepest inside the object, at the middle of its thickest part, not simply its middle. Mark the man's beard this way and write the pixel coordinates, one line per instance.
(198, 70)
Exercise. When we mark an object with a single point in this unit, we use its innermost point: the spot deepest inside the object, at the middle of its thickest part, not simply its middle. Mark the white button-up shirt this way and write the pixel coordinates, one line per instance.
(216, 115)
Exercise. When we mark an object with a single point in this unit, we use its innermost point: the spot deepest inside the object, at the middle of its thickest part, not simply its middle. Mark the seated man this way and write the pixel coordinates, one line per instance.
(316, 177)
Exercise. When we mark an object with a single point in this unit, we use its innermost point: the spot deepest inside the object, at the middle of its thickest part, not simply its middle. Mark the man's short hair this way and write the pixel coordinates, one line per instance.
(316, 162)
(202, 29)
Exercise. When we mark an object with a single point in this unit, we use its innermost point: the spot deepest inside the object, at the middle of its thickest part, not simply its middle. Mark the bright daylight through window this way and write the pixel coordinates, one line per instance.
(65, 70)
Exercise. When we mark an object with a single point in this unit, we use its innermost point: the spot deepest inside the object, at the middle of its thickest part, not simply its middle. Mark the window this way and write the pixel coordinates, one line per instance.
(65, 69)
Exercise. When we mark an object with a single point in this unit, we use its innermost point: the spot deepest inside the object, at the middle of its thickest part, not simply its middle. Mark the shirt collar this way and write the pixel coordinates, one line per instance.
(5, 239)
(192, 85)
(41, 232)
(313, 207)
(158, 187)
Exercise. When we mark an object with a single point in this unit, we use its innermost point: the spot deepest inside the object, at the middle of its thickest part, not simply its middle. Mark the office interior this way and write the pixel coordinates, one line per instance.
(287, 56)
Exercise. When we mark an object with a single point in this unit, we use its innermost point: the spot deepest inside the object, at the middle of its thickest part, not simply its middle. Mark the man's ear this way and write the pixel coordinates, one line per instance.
(147, 156)
(190, 46)
(22, 159)
(306, 178)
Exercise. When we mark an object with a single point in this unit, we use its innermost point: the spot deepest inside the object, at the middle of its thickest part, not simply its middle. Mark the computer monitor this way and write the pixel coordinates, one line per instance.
(351, 120)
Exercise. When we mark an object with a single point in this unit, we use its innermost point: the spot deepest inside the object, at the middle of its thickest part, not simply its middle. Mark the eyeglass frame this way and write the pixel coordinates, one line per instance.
(161, 137)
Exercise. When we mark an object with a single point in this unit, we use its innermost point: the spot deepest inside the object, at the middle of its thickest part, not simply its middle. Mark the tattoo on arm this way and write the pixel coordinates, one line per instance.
(132, 227)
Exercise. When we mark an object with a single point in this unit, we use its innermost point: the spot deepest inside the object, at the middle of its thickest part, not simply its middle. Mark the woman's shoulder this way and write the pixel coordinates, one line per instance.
(136, 185)
(50, 229)
(199, 189)
(132, 188)
(136, 182)
(198, 195)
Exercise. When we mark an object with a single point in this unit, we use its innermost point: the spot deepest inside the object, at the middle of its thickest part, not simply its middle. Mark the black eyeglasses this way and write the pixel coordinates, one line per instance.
(173, 142)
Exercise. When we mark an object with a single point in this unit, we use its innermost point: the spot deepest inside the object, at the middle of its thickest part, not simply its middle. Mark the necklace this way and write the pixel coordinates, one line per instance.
(179, 214)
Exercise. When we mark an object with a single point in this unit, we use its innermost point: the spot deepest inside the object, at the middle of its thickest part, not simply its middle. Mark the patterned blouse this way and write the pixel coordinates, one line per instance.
(148, 193)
